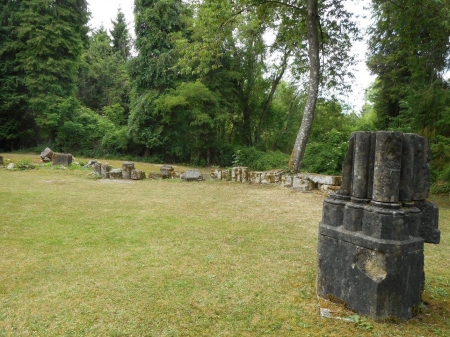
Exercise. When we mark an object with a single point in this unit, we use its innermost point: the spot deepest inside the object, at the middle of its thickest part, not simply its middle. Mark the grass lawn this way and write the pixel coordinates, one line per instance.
(87, 257)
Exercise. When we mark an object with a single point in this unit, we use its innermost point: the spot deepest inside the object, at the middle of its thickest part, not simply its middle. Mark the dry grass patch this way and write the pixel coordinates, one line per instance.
(81, 257)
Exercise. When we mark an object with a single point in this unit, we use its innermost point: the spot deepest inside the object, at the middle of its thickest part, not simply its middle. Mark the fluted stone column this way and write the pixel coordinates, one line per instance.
(361, 175)
(372, 233)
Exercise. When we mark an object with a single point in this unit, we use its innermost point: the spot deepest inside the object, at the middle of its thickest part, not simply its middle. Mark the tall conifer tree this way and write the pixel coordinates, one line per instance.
(48, 42)
(152, 69)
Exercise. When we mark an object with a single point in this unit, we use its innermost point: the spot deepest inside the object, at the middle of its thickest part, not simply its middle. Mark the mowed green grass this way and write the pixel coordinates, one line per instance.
(86, 257)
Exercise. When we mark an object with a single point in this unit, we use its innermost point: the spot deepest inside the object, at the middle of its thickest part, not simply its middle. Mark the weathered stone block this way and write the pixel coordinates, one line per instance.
(322, 179)
(1, 160)
(385, 223)
(330, 189)
(192, 175)
(255, 177)
(64, 159)
(136, 174)
(166, 171)
(429, 221)
(154, 175)
(302, 185)
(127, 167)
(104, 170)
(97, 168)
(353, 214)
(371, 247)
(333, 209)
(287, 181)
(370, 277)
(46, 155)
(115, 174)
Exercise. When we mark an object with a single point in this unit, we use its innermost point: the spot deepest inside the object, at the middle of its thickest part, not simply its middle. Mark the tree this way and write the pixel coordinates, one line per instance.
(314, 78)
(48, 41)
(409, 53)
(306, 34)
(121, 40)
(152, 69)
(103, 79)
(16, 124)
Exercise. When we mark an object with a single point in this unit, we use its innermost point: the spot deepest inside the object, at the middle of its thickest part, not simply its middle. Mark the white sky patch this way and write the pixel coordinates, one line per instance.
(103, 11)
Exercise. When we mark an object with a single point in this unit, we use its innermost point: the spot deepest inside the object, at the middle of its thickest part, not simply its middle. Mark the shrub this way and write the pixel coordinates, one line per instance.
(327, 154)
(258, 160)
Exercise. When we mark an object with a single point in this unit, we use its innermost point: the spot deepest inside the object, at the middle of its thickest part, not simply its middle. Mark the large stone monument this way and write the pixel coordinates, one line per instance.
(372, 233)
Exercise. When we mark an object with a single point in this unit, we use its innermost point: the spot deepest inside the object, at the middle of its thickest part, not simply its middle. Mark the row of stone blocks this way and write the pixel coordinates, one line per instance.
(127, 172)
(302, 181)
(370, 250)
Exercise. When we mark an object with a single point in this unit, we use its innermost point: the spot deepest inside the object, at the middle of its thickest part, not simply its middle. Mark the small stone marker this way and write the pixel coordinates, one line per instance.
(97, 168)
(10, 166)
(372, 233)
(1, 160)
(137, 174)
(64, 159)
(302, 185)
(115, 174)
(192, 175)
(127, 167)
(104, 170)
(154, 175)
(166, 171)
(46, 155)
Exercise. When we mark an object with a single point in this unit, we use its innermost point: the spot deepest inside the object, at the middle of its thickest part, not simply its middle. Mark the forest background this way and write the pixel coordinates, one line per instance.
(200, 83)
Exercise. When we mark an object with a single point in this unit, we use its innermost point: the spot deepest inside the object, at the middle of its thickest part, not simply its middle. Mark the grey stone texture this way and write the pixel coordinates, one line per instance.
(166, 171)
(104, 170)
(46, 155)
(115, 174)
(372, 233)
(192, 175)
(136, 174)
(127, 167)
(64, 159)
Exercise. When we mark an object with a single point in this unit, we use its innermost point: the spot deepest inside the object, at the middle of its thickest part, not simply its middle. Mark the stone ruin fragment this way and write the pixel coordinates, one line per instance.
(372, 233)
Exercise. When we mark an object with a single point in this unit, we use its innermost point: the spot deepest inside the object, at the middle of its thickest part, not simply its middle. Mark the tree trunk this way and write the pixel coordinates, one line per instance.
(275, 83)
(308, 115)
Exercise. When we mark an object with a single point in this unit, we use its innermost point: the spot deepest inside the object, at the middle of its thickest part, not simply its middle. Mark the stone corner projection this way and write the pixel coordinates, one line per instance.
(372, 233)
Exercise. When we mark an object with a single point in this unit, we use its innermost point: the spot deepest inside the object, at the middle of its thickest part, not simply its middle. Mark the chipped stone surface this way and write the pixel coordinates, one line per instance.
(46, 155)
(302, 185)
(64, 159)
(192, 175)
(321, 179)
(104, 170)
(127, 167)
(137, 174)
(372, 233)
(115, 174)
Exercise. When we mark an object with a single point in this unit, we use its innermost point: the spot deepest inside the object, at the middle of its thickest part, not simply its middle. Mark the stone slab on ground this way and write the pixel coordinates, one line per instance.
(192, 175)
(137, 174)
(321, 178)
(115, 174)
(302, 185)
(46, 155)
(64, 159)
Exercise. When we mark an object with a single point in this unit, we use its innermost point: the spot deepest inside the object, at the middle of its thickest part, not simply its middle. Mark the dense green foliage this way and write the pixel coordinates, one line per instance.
(409, 53)
(217, 82)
